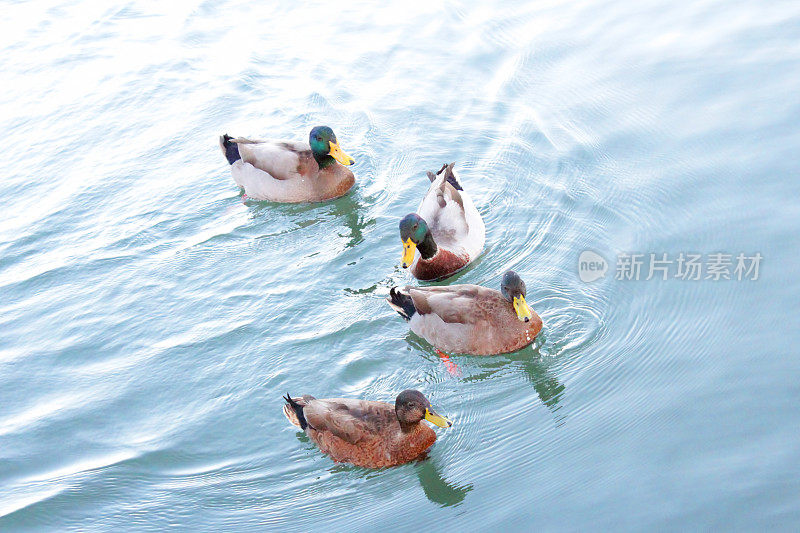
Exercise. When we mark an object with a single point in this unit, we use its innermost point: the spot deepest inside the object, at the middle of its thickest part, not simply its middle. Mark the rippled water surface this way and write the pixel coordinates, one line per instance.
(151, 319)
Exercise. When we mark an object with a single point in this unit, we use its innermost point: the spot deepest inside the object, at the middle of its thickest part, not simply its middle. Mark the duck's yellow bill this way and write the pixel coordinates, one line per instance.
(409, 248)
(337, 153)
(434, 418)
(523, 311)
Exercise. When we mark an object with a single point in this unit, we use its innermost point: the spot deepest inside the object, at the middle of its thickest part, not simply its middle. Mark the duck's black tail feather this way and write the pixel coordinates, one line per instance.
(451, 177)
(402, 303)
(294, 408)
(230, 149)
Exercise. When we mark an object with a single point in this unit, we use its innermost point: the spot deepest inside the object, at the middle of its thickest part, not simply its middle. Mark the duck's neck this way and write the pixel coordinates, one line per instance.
(324, 161)
(427, 248)
(407, 428)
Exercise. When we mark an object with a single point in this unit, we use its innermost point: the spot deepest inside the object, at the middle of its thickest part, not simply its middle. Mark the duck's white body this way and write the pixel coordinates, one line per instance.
(282, 171)
(454, 223)
(456, 226)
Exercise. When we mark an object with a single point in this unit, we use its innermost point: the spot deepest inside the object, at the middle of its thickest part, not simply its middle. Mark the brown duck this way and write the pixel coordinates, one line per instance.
(470, 319)
(366, 433)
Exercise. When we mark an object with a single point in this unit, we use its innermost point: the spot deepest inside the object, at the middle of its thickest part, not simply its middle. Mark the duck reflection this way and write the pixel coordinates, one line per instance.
(437, 489)
(289, 217)
(544, 382)
(535, 368)
(348, 209)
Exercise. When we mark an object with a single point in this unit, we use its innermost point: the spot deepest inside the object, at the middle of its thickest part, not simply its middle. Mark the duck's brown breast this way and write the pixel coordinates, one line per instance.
(380, 450)
(443, 264)
(333, 182)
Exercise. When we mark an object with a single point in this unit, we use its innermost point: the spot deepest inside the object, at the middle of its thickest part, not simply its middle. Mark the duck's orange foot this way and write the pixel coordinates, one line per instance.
(451, 367)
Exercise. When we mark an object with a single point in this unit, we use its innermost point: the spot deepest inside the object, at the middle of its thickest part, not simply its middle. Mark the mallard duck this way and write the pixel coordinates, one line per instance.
(447, 230)
(290, 172)
(365, 433)
(470, 319)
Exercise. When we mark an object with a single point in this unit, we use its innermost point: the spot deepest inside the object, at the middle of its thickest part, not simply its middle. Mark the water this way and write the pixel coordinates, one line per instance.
(150, 320)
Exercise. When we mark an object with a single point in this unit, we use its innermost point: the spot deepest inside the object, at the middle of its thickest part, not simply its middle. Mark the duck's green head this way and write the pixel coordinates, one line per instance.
(413, 231)
(513, 289)
(326, 149)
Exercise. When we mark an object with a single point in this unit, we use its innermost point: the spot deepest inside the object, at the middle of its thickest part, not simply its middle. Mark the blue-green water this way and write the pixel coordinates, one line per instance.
(150, 320)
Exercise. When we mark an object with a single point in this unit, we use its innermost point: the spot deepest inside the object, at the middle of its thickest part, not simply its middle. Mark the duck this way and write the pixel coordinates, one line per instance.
(290, 172)
(447, 230)
(470, 319)
(370, 434)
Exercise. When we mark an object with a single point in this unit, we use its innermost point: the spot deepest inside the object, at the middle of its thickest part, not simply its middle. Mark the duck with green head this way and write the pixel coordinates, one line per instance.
(447, 230)
(290, 172)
